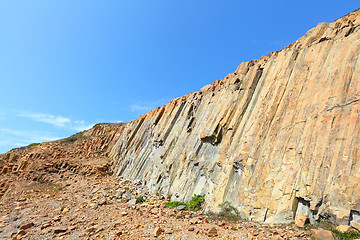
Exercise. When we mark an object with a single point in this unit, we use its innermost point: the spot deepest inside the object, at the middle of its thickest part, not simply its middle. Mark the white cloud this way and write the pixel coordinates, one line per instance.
(58, 121)
(140, 108)
(146, 106)
(83, 127)
(18, 138)
(30, 136)
(11, 137)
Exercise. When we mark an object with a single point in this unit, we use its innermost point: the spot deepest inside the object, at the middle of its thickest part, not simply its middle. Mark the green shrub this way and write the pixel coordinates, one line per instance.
(75, 137)
(194, 204)
(174, 204)
(227, 209)
(345, 235)
(58, 189)
(25, 147)
(227, 213)
(323, 224)
(32, 145)
(140, 199)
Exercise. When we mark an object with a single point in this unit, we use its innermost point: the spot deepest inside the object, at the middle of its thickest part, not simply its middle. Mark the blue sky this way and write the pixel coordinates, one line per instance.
(66, 65)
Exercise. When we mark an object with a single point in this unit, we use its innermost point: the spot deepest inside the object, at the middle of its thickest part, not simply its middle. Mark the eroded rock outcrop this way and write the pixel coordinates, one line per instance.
(278, 138)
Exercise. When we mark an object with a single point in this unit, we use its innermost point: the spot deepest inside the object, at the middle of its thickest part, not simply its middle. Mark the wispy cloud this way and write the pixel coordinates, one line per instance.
(17, 130)
(146, 106)
(30, 136)
(18, 138)
(58, 121)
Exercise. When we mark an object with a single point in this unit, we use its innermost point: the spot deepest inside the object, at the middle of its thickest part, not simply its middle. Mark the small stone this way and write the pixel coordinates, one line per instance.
(343, 228)
(132, 202)
(191, 228)
(181, 207)
(300, 220)
(45, 225)
(60, 229)
(124, 213)
(26, 225)
(90, 229)
(356, 224)
(119, 233)
(212, 232)
(127, 195)
(119, 194)
(72, 228)
(194, 221)
(156, 231)
(221, 224)
(20, 234)
(321, 234)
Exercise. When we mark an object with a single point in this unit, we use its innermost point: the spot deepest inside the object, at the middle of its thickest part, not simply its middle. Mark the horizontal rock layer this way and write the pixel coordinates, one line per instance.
(278, 138)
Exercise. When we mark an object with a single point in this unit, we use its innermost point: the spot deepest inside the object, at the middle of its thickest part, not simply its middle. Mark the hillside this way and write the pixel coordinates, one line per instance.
(278, 138)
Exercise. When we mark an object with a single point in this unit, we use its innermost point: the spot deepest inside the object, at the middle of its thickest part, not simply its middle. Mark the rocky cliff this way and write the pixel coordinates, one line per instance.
(278, 138)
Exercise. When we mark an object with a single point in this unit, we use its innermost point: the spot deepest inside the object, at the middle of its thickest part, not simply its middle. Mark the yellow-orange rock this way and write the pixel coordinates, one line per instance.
(278, 137)
(281, 130)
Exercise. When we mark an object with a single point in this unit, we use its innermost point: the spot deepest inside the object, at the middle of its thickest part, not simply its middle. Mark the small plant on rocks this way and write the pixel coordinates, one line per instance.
(324, 224)
(140, 199)
(75, 137)
(227, 213)
(345, 235)
(228, 209)
(194, 204)
(25, 147)
(174, 204)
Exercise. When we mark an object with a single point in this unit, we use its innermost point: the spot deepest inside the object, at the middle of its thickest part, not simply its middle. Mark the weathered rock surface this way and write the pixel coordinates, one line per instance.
(42, 210)
(277, 138)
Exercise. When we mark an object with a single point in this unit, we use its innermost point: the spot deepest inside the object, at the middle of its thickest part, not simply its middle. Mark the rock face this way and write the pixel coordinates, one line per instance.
(278, 138)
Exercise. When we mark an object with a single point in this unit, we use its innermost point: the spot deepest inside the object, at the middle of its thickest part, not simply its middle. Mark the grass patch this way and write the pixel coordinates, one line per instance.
(25, 147)
(194, 204)
(57, 189)
(140, 199)
(345, 235)
(331, 227)
(228, 213)
(174, 204)
(32, 145)
(75, 137)
(321, 224)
